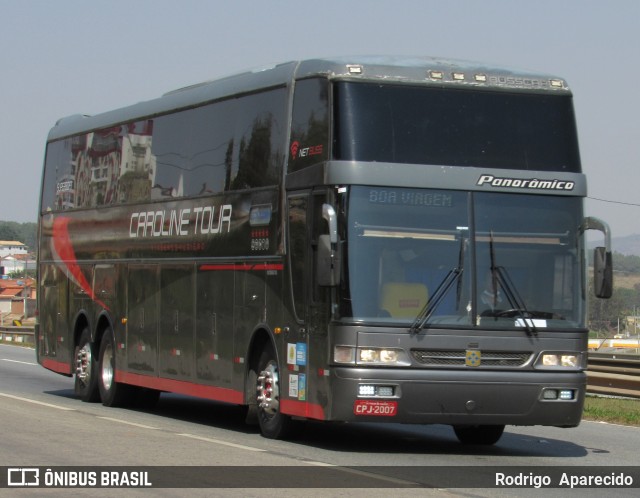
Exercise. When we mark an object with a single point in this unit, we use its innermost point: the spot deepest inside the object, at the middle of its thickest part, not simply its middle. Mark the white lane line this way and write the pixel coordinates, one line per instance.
(37, 402)
(224, 443)
(120, 421)
(16, 361)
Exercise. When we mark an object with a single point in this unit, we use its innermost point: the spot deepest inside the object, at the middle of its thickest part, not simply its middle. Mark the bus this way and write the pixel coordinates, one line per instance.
(376, 239)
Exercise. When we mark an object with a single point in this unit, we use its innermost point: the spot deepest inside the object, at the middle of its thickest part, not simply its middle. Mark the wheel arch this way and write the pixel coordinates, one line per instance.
(261, 337)
(81, 322)
(104, 322)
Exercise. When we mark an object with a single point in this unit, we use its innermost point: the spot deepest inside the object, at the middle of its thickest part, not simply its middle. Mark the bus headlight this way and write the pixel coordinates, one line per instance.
(370, 356)
(379, 356)
(560, 360)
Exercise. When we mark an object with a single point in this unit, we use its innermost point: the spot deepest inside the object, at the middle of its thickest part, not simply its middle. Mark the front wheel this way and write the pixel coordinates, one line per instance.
(478, 434)
(273, 423)
(112, 393)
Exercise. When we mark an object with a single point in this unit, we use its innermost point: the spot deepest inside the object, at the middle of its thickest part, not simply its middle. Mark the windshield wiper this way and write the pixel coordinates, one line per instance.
(441, 291)
(500, 276)
(433, 302)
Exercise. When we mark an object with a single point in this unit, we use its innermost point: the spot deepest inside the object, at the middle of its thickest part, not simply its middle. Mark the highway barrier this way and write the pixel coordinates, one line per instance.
(17, 335)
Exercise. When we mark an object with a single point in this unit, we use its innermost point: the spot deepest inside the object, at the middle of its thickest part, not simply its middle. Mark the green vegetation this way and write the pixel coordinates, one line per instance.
(622, 411)
(22, 232)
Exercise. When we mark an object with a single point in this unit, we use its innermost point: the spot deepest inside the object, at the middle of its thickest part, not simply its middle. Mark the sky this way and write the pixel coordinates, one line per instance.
(64, 57)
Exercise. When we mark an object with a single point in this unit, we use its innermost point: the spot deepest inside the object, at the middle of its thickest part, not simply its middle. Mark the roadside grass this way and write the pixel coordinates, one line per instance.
(623, 411)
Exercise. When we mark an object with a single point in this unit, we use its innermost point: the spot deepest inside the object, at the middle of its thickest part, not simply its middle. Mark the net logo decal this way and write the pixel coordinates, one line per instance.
(298, 152)
(520, 183)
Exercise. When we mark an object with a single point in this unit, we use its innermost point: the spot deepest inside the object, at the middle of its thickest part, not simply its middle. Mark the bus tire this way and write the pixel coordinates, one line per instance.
(478, 434)
(112, 393)
(86, 367)
(273, 423)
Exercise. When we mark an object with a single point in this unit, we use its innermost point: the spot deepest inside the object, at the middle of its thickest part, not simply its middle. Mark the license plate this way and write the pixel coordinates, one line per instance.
(375, 408)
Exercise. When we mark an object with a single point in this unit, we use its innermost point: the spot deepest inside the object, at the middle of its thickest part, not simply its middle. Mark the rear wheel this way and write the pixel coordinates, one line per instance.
(478, 434)
(112, 393)
(273, 423)
(86, 379)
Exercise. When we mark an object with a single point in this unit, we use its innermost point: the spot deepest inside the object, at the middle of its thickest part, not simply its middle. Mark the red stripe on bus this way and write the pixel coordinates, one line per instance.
(302, 409)
(181, 387)
(243, 267)
(266, 267)
(56, 366)
(63, 247)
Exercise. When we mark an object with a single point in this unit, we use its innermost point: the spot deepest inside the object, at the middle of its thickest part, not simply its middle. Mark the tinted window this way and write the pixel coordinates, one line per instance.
(309, 124)
(455, 127)
(232, 144)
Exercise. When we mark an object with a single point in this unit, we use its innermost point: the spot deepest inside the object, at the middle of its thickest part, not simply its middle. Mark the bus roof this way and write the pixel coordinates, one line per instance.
(416, 70)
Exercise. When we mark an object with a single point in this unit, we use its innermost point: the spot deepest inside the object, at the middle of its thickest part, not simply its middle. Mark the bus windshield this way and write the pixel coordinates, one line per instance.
(463, 259)
(455, 127)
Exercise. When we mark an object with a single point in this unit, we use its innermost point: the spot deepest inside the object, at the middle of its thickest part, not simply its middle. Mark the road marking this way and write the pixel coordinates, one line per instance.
(320, 464)
(38, 402)
(224, 443)
(16, 361)
(120, 421)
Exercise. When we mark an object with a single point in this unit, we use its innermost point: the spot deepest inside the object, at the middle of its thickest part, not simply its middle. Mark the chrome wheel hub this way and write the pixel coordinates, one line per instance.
(83, 364)
(268, 391)
(107, 367)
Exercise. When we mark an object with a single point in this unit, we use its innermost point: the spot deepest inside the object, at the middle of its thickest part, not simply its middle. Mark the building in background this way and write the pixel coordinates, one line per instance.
(15, 258)
(17, 299)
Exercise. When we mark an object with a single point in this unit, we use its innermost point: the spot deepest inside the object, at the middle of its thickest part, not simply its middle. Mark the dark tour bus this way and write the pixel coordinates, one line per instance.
(377, 239)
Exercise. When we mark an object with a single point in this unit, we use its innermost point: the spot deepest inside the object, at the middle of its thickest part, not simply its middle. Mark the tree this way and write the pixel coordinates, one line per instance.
(8, 232)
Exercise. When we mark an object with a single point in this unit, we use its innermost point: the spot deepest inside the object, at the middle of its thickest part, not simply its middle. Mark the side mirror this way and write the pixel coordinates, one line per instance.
(602, 273)
(328, 263)
(602, 261)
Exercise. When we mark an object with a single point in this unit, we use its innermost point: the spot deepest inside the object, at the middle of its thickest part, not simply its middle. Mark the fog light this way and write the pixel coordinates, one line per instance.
(385, 390)
(550, 394)
(366, 390)
(566, 394)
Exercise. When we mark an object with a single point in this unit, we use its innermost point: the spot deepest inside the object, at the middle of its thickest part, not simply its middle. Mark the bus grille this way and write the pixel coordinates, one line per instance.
(457, 358)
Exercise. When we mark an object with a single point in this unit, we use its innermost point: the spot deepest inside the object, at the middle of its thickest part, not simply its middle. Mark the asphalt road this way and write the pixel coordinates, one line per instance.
(43, 425)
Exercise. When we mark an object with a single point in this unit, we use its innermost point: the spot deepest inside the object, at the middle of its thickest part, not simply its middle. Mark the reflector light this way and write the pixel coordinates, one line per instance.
(344, 354)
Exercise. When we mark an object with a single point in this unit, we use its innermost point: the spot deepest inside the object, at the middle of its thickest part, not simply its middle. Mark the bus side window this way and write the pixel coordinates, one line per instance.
(309, 124)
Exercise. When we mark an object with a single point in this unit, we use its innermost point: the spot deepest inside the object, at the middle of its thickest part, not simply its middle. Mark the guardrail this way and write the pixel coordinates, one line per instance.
(613, 342)
(17, 335)
(615, 374)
